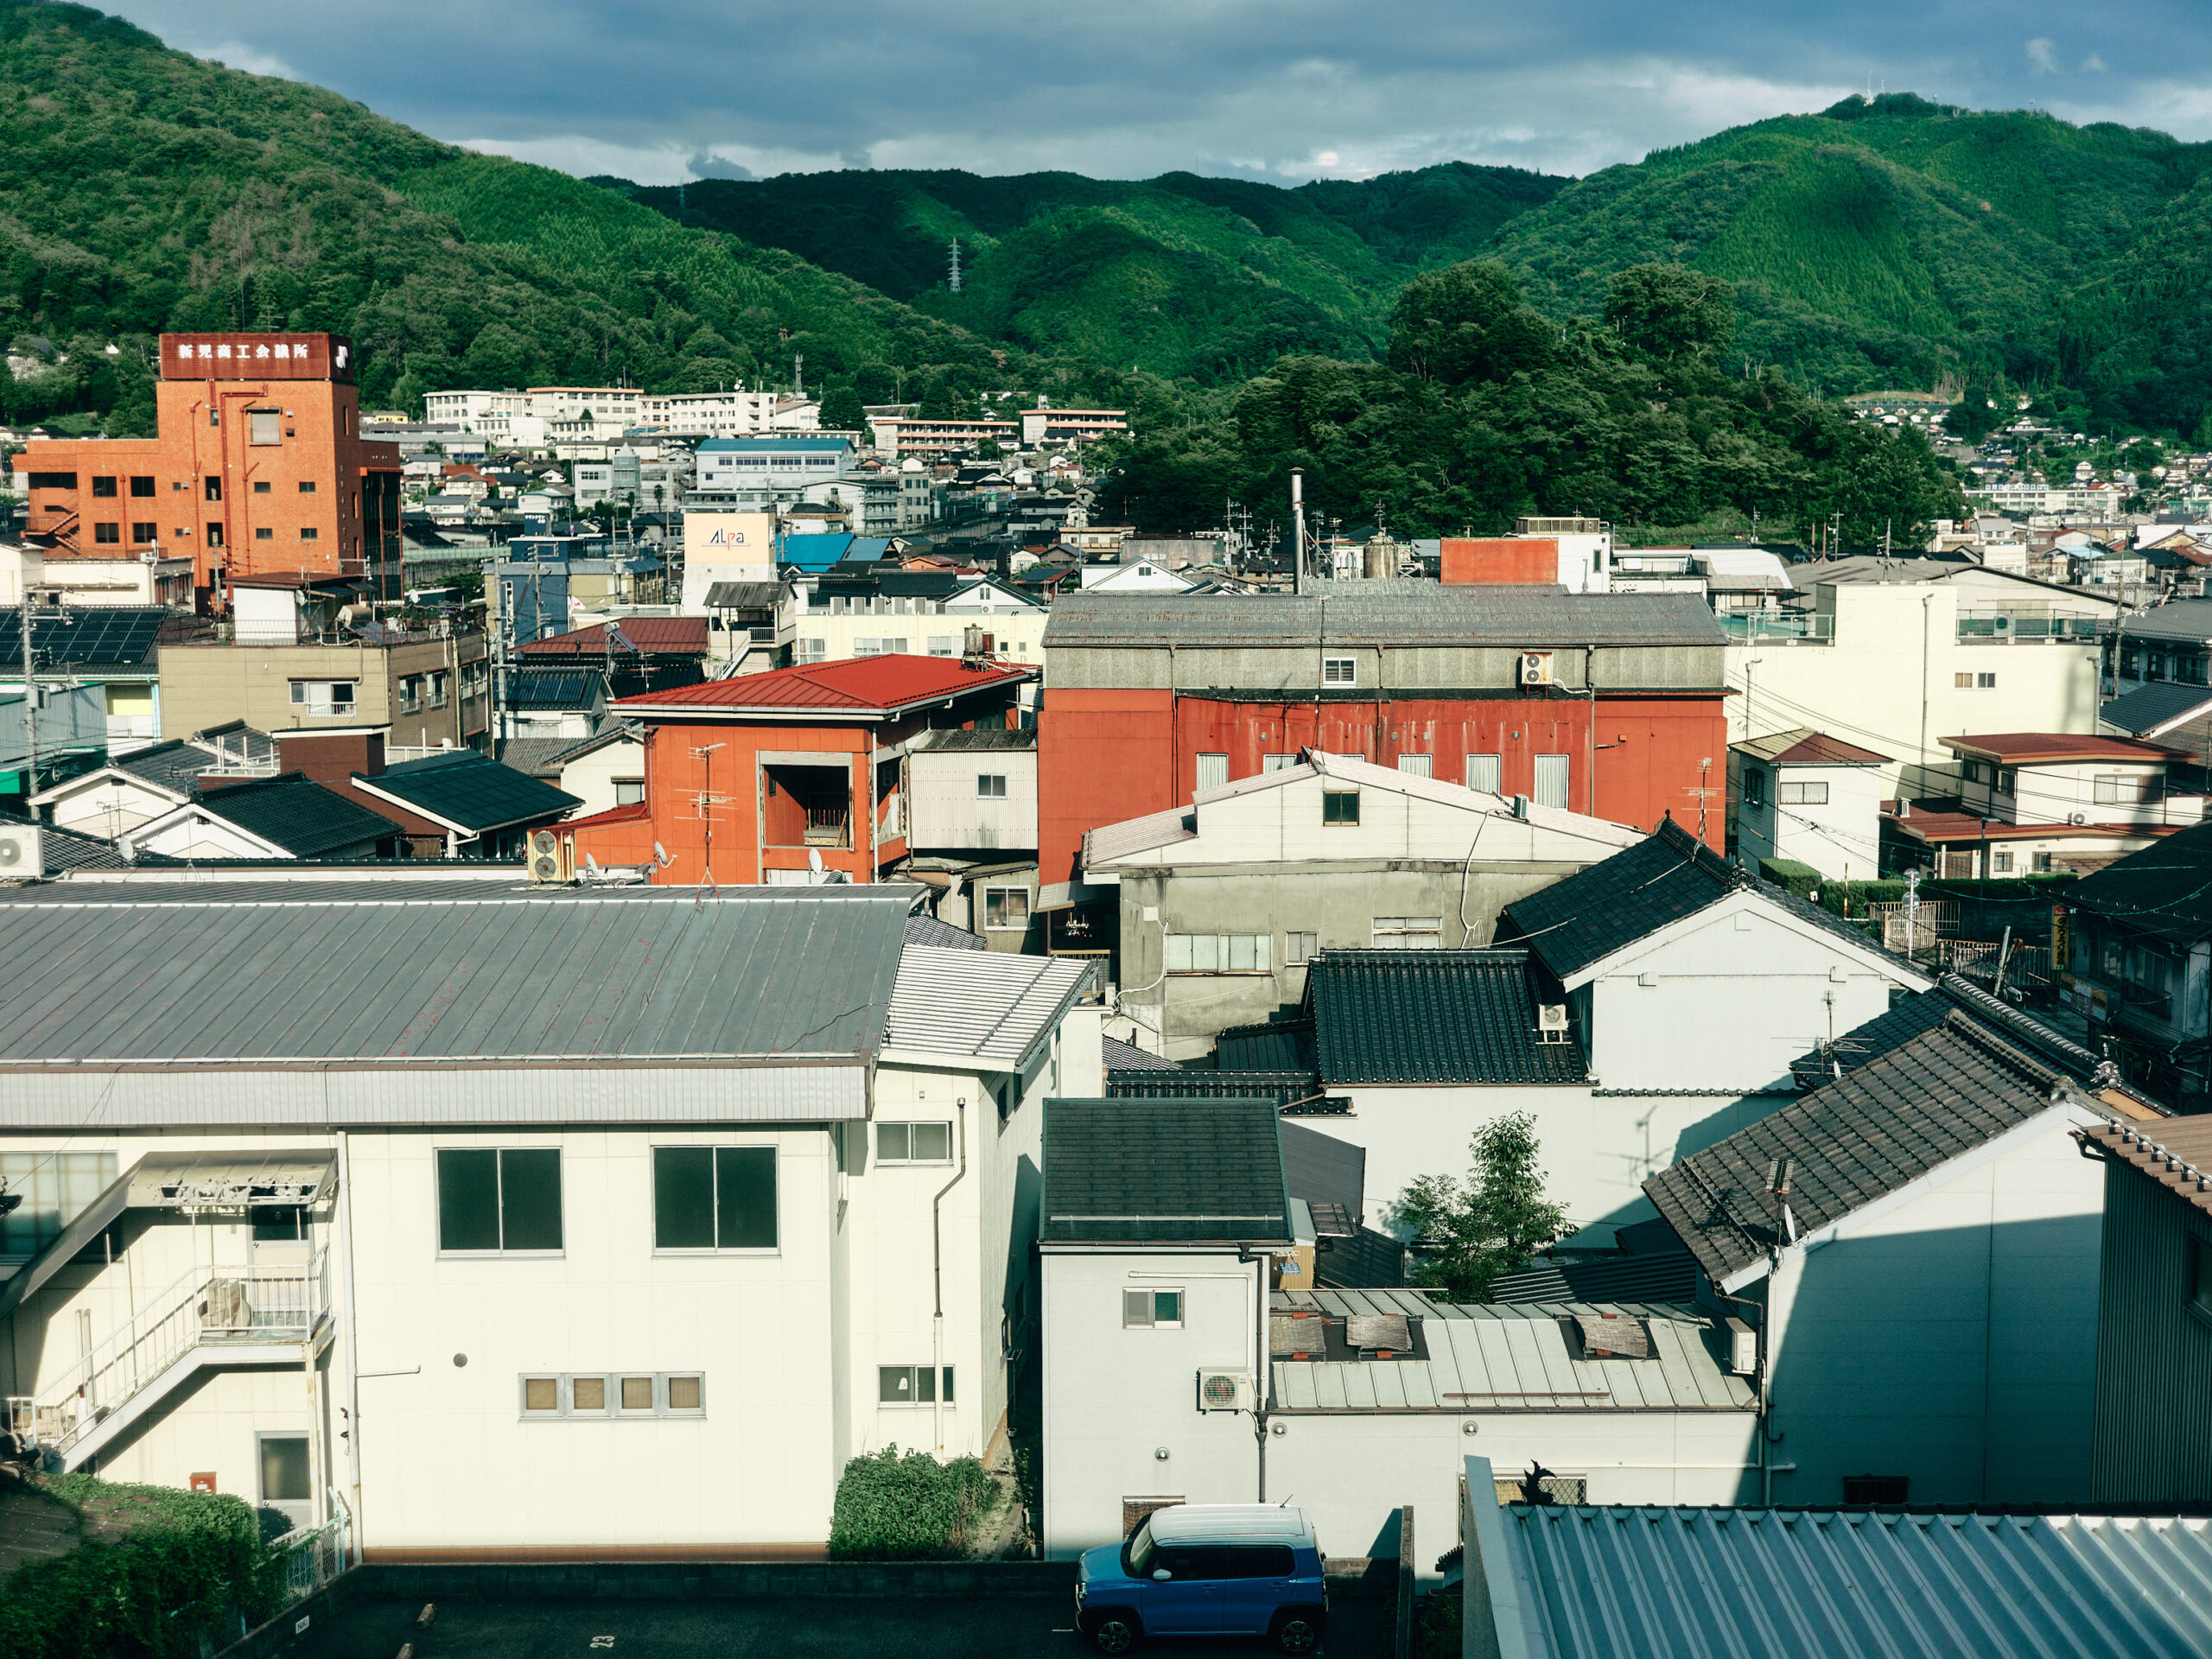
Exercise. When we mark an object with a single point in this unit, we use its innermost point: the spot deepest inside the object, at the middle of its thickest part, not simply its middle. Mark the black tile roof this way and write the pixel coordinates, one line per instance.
(1273, 1045)
(927, 930)
(1619, 900)
(1432, 1017)
(1128, 1057)
(2148, 707)
(2166, 890)
(1910, 1016)
(302, 817)
(1861, 1138)
(65, 849)
(471, 790)
(1669, 1276)
(1322, 1169)
(1178, 1083)
(1139, 1171)
(174, 766)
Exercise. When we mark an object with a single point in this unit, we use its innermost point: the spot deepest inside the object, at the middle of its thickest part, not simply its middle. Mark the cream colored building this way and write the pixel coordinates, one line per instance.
(429, 690)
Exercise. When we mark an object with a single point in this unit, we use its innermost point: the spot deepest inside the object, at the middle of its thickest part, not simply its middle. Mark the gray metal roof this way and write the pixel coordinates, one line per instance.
(2147, 708)
(1580, 1583)
(2184, 619)
(1398, 614)
(294, 976)
(992, 1007)
(1489, 1357)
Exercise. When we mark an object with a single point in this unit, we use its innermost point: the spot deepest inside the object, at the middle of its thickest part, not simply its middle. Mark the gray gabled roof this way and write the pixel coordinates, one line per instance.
(1911, 1016)
(1433, 1018)
(470, 791)
(2148, 709)
(298, 814)
(1164, 1172)
(1869, 1134)
(312, 975)
(991, 1008)
(1404, 613)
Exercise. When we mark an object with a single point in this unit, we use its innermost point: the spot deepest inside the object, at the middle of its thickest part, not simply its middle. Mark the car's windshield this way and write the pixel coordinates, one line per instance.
(1136, 1554)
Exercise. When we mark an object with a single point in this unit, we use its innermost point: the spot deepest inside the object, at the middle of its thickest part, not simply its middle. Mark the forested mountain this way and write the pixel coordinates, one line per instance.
(1210, 278)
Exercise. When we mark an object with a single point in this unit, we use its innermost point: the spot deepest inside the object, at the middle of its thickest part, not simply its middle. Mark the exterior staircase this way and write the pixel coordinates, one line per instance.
(211, 1320)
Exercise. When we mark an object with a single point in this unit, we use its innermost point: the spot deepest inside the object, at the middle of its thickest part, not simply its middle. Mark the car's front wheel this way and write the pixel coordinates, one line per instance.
(1114, 1633)
(1298, 1633)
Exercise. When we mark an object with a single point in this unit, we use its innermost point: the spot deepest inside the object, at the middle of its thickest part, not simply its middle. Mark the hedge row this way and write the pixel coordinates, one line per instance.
(908, 1509)
(182, 1563)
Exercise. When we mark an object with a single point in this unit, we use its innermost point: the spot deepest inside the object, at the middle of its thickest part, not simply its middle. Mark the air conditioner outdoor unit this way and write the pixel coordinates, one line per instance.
(1536, 668)
(20, 857)
(1551, 1022)
(2077, 817)
(1224, 1391)
(547, 866)
(1743, 1347)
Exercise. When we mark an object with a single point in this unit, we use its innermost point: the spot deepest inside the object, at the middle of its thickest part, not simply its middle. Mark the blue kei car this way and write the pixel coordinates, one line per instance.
(1206, 1569)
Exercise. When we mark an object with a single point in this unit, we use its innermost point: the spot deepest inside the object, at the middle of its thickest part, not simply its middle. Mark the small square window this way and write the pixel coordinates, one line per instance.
(264, 534)
(262, 486)
(637, 1394)
(308, 532)
(1963, 682)
(142, 486)
(1300, 947)
(107, 534)
(1340, 806)
(102, 487)
(307, 487)
(587, 1394)
(629, 791)
(1339, 670)
(990, 786)
(143, 534)
(540, 1394)
(1006, 909)
(1417, 766)
(1485, 772)
(214, 487)
(1152, 1310)
(687, 1393)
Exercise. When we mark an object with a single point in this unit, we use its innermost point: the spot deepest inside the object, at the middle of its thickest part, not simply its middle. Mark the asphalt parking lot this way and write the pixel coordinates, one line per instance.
(778, 1629)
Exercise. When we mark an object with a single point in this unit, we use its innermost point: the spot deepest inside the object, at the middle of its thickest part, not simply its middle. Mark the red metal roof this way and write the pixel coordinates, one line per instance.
(1807, 747)
(861, 685)
(632, 812)
(1946, 821)
(2024, 748)
(665, 633)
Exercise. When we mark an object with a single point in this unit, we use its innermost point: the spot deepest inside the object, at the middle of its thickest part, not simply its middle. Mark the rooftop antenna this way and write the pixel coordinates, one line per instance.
(952, 279)
(1781, 1175)
(1298, 521)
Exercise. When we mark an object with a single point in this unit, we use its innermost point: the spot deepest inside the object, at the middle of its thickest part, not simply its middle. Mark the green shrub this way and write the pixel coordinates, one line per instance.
(170, 1565)
(908, 1509)
(1800, 879)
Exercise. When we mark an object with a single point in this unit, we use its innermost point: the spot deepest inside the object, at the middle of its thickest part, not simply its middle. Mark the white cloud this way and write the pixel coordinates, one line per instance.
(2093, 65)
(2043, 55)
(237, 54)
(583, 156)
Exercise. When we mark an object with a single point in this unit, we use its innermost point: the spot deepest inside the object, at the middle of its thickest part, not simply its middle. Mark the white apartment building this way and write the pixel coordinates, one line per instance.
(1896, 655)
(705, 1198)
(1801, 796)
(736, 413)
(917, 614)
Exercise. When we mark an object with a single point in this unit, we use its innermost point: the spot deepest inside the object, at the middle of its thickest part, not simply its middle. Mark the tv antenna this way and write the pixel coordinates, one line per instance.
(952, 278)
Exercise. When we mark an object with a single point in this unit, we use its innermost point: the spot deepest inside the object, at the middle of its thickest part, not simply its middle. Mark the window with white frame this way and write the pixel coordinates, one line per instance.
(910, 1385)
(1800, 791)
(323, 697)
(990, 786)
(1485, 772)
(2001, 863)
(1552, 773)
(714, 1198)
(913, 1143)
(1152, 1310)
(437, 688)
(1409, 932)
(812, 651)
(498, 1201)
(944, 645)
(1006, 908)
(1213, 770)
(1340, 670)
(1219, 953)
(879, 647)
(2120, 789)
(1417, 766)
(410, 695)
(1300, 947)
(629, 791)
(550, 1396)
(1277, 762)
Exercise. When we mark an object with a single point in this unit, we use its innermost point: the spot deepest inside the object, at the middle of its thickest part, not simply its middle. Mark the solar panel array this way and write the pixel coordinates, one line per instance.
(73, 638)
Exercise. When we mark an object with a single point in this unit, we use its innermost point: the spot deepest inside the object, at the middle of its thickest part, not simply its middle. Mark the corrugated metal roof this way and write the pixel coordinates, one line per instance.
(356, 977)
(1579, 1583)
(1492, 1357)
(991, 1006)
(861, 685)
(1434, 614)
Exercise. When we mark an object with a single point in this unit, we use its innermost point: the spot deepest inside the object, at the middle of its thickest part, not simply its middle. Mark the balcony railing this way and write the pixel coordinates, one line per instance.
(1815, 627)
(2003, 627)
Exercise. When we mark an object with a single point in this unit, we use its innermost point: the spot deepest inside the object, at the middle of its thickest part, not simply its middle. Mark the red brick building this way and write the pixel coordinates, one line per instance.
(753, 778)
(259, 469)
(1606, 704)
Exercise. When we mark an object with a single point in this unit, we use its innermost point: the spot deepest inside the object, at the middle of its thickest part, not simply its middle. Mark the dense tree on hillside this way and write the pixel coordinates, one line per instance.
(1475, 420)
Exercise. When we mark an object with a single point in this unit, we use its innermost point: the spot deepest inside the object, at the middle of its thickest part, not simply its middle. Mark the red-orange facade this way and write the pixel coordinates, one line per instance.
(1498, 559)
(1106, 755)
(259, 469)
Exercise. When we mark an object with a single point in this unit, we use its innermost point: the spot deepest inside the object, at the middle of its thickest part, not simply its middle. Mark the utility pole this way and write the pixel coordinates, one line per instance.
(1298, 522)
(30, 709)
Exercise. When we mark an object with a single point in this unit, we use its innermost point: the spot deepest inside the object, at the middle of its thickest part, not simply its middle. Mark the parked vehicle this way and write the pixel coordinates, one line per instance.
(1206, 1569)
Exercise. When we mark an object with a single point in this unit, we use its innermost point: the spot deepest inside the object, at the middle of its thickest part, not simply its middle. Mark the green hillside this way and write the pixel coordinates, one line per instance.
(142, 190)
(1180, 276)
(1899, 242)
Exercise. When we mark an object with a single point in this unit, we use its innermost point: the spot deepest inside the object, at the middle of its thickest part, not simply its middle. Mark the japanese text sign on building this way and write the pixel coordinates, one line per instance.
(257, 357)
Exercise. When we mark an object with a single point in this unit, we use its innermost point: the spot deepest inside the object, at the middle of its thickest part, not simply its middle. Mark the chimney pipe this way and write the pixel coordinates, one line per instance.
(1298, 525)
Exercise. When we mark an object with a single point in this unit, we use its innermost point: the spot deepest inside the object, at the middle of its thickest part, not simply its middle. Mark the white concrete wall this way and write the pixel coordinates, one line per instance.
(1951, 1339)
(1114, 1399)
(1842, 839)
(591, 777)
(1888, 680)
(193, 836)
(1017, 637)
(1352, 1472)
(106, 806)
(1739, 991)
(2053, 793)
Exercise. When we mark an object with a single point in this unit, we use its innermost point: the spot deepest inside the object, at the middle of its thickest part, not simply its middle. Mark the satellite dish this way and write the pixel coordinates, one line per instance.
(660, 855)
(591, 863)
(814, 860)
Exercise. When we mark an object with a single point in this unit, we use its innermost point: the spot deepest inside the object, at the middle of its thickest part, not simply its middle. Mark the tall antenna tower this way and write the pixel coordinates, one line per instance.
(952, 278)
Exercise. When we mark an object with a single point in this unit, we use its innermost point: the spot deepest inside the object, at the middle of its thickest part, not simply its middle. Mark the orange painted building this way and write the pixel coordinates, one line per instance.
(1498, 559)
(259, 470)
(754, 780)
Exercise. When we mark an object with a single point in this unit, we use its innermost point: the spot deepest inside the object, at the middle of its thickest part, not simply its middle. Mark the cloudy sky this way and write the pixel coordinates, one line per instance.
(662, 91)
